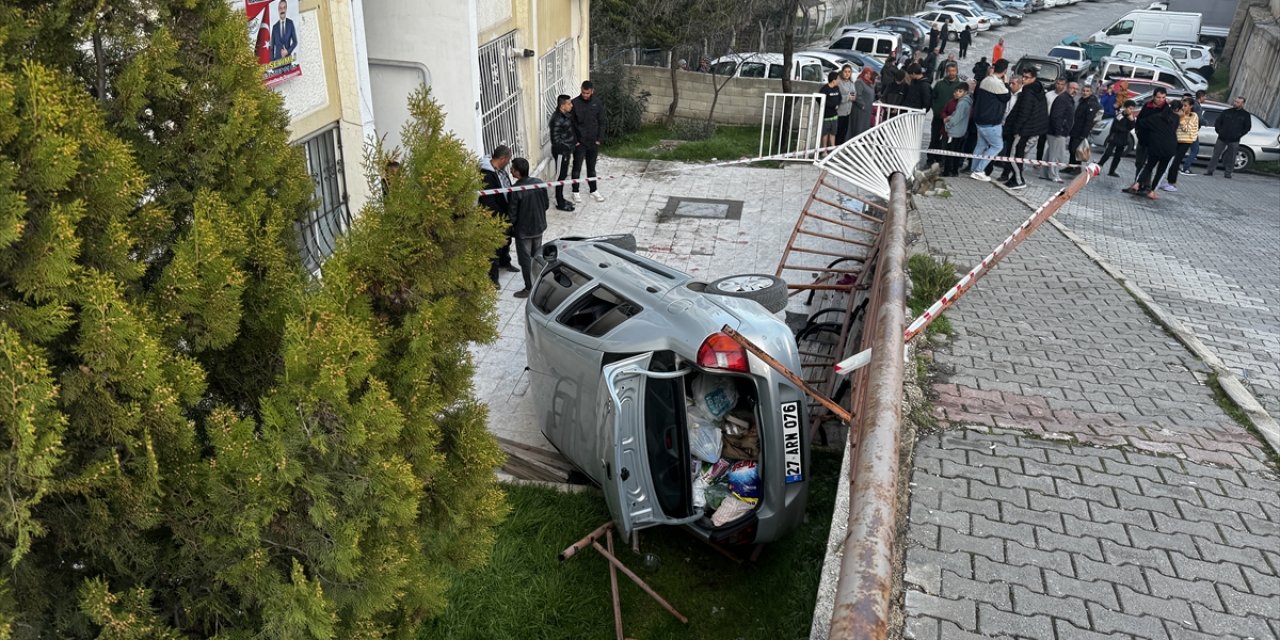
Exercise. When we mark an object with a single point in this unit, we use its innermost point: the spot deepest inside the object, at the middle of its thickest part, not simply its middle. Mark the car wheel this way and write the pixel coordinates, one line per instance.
(620, 240)
(1244, 159)
(770, 291)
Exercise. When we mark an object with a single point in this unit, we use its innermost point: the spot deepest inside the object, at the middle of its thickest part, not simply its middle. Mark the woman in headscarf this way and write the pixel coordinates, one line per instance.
(865, 94)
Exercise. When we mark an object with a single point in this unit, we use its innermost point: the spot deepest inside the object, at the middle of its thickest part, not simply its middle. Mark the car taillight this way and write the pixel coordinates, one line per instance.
(719, 351)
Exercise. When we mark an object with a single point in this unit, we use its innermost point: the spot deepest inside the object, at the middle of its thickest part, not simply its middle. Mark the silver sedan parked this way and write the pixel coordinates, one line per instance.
(622, 350)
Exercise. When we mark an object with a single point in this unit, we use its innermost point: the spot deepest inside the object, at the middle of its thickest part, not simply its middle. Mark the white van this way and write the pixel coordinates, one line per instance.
(1114, 70)
(1150, 28)
(1157, 58)
(880, 44)
(769, 66)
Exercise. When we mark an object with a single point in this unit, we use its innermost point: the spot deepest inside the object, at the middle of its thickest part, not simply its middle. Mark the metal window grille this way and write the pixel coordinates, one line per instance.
(319, 232)
(556, 77)
(500, 95)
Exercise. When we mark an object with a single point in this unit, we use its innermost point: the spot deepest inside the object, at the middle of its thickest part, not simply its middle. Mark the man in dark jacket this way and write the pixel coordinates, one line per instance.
(1157, 128)
(527, 211)
(1085, 116)
(966, 39)
(1029, 120)
(989, 102)
(1060, 120)
(980, 69)
(1232, 125)
(563, 142)
(918, 94)
(588, 122)
(943, 34)
(493, 172)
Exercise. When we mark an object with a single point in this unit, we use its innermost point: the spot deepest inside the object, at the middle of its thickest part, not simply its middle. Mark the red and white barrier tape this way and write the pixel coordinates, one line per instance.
(958, 154)
(982, 268)
(726, 163)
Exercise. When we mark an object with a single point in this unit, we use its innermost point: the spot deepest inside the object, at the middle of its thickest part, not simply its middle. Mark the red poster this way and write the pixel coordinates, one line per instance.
(273, 32)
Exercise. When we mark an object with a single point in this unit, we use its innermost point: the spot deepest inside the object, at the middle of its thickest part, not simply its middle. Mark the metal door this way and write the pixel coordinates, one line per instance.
(500, 95)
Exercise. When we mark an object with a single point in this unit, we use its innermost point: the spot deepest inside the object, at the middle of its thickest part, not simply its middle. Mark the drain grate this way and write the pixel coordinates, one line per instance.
(703, 208)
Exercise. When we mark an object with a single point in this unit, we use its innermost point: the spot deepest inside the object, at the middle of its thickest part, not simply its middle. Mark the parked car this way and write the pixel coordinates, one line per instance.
(1149, 28)
(997, 18)
(976, 17)
(768, 65)
(1113, 70)
(1193, 57)
(955, 21)
(1261, 144)
(619, 346)
(1048, 70)
(857, 59)
(1156, 57)
(1075, 60)
(1025, 6)
(1011, 14)
(881, 44)
(913, 31)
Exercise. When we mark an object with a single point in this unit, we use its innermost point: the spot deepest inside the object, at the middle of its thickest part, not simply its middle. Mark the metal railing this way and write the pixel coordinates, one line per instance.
(791, 123)
(892, 145)
(865, 586)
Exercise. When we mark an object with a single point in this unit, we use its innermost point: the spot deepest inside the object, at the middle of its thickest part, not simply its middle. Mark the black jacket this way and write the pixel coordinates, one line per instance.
(588, 119)
(980, 70)
(1120, 128)
(966, 37)
(1233, 124)
(1158, 130)
(989, 101)
(919, 94)
(563, 137)
(1060, 115)
(497, 202)
(527, 210)
(1086, 114)
(895, 93)
(1030, 116)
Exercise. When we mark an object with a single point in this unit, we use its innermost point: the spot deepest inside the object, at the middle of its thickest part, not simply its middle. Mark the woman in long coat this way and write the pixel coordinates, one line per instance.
(865, 93)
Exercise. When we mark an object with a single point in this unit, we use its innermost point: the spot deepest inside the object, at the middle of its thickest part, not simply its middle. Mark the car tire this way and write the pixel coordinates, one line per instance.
(769, 290)
(620, 240)
(1244, 159)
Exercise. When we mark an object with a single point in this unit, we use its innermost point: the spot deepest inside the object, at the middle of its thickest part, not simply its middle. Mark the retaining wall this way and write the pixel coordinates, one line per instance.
(741, 100)
(1255, 61)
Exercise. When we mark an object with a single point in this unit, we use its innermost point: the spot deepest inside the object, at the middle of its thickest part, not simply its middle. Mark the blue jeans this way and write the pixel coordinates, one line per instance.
(990, 141)
(1191, 155)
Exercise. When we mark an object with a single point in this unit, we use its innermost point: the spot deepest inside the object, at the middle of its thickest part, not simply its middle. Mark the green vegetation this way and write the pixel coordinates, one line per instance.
(1267, 168)
(198, 439)
(1220, 84)
(524, 592)
(728, 143)
(1237, 414)
(930, 278)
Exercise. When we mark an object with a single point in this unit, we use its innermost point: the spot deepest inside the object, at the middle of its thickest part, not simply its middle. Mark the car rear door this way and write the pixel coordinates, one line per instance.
(628, 482)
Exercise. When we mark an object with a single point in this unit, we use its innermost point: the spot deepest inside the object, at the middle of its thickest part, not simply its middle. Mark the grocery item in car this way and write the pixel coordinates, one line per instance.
(715, 395)
(704, 437)
(744, 446)
(731, 509)
(744, 481)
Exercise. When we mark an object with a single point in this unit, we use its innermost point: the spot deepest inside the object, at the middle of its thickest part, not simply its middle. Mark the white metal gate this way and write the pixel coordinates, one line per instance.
(556, 77)
(500, 95)
(791, 123)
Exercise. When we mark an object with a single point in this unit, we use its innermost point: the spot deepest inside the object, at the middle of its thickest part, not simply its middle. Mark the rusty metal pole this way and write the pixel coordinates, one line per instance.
(865, 586)
(613, 588)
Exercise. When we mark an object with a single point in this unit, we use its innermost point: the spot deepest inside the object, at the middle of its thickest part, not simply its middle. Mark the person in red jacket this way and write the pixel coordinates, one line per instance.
(998, 52)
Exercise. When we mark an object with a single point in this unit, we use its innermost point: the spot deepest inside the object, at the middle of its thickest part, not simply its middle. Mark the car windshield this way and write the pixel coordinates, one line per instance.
(1063, 52)
(725, 68)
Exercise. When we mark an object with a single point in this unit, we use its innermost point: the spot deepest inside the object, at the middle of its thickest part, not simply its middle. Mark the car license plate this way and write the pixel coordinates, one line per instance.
(792, 457)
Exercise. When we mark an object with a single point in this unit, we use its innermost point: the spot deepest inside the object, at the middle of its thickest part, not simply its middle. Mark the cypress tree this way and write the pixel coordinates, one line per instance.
(196, 438)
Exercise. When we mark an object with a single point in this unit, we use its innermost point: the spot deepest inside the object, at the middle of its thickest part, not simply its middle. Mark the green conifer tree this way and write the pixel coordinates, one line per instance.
(196, 439)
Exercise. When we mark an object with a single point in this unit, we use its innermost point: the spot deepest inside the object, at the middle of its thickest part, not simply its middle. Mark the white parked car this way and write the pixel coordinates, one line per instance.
(955, 21)
(1194, 57)
(1156, 58)
(1074, 59)
(769, 66)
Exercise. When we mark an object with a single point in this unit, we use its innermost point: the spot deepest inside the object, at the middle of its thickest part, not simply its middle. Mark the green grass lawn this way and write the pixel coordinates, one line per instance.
(526, 593)
(729, 143)
(1220, 84)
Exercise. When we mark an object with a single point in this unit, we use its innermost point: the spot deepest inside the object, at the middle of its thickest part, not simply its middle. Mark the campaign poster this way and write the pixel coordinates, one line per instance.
(273, 31)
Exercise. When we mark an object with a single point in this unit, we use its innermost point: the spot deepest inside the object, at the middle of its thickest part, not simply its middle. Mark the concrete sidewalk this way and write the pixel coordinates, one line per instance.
(1087, 485)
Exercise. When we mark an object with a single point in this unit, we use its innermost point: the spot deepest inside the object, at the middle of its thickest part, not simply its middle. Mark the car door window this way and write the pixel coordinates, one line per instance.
(555, 285)
(811, 73)
(884, 47)
(775, 71)
(725, 68)
(1178, 54)
(1209, 117)
(1122, 28)
(864, 45)
(843, 43)
(598, 312)
(1171, 80)
(752, 70)
(1144, 74)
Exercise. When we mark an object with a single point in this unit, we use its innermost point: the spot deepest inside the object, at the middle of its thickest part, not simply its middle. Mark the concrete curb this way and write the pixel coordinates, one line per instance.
(1227, 379)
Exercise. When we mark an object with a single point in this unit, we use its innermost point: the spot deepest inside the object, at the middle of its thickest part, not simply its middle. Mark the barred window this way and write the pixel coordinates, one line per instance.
(331, 217)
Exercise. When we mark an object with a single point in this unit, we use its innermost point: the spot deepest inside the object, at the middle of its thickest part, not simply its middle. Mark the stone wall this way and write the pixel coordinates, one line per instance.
(741, 100)
(1255, 62)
